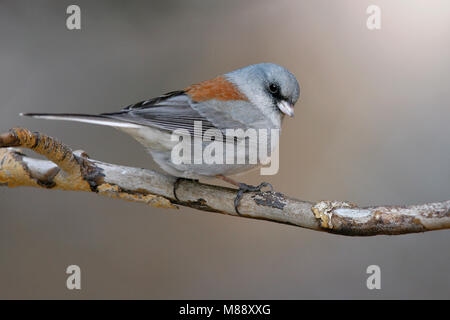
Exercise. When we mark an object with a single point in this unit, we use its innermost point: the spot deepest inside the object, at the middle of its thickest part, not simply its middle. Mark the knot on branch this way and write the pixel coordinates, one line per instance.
(324, 211)
(69, 171)
(78, 171)
(49, 147)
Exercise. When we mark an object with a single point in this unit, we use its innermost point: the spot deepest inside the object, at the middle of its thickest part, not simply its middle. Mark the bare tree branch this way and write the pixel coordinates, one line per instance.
(68, 170)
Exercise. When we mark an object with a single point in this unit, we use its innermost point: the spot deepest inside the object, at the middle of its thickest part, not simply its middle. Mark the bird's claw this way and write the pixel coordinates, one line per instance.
(243, 188)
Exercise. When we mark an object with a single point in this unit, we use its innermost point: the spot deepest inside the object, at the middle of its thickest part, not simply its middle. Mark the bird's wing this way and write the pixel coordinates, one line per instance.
(169, 112)
(217, 103)
(207, 102)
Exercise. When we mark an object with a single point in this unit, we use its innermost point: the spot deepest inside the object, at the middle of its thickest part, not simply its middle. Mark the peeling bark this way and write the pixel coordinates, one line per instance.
(75, 171)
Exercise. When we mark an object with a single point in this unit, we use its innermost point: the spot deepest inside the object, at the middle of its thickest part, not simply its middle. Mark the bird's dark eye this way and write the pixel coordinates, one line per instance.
(273, 88)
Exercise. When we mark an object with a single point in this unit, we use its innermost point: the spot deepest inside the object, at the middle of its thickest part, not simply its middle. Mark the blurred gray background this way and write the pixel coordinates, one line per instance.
(371, 126)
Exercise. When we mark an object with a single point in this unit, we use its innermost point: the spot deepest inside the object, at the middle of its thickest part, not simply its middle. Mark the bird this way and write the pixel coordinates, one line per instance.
(257, 96)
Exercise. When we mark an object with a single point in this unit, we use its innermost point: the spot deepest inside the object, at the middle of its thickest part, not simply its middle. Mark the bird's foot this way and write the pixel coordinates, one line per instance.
(244, 188)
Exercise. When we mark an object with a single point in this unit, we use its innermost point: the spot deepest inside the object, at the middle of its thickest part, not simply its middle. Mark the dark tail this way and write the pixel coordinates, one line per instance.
(86, 118)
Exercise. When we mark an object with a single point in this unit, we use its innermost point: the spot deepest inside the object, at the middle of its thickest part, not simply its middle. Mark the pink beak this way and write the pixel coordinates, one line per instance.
(286, 108)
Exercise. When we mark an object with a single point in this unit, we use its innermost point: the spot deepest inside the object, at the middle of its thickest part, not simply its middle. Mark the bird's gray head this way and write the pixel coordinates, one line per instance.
(269, 86)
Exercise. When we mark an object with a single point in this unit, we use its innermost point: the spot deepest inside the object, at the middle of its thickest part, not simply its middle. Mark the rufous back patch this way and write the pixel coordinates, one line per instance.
(218, 88)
